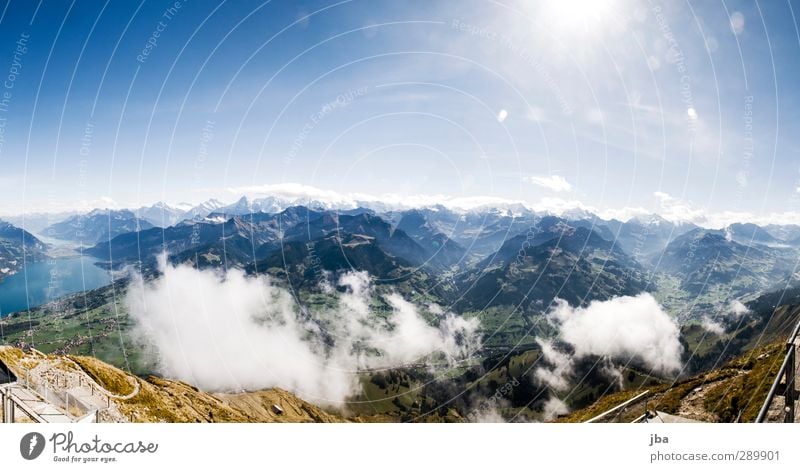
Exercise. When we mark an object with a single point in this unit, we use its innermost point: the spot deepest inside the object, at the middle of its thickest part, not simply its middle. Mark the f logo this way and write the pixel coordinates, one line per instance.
(31, 446)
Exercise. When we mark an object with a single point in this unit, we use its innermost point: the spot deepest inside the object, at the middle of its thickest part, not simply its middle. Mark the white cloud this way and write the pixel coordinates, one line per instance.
(613, 372)
(731, 311)
(679, 210)
(712, 326)
(296, 191)
(554, 407)
(555, 183)
(232, 332)
(618, 330)
(622, 327)
(302, 194)
(559, 206)
(458, 203)
(623, 214)
(561, 366)
(488, 416)
(728, 234)
(675, 209)
(671, 208)
(61, 207)
(736, 309)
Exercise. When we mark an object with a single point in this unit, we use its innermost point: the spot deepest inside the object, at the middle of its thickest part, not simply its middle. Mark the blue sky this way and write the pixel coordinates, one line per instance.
(667, 106)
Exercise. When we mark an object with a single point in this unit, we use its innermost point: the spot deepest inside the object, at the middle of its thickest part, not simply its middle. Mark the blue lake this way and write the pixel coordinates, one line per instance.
(41, 282)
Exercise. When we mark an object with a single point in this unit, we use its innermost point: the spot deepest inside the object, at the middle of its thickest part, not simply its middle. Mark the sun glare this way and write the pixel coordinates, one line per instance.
(578, 16)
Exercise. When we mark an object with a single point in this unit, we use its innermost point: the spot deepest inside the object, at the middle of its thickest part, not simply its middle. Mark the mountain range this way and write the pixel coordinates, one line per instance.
(487, 256)
(507, 256)
(96, 226)
(709, 259)
(17, 248)
(477, 259)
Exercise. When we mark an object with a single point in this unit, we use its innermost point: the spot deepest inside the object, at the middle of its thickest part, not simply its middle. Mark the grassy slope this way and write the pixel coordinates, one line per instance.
(164, 400)
(738, 387)
(113, 380)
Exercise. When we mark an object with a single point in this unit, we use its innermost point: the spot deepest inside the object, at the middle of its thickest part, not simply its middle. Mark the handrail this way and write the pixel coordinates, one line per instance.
(639, 419)
(791, 350)
(83, 418)
(773, 390)
(621, 405)
(90, 415)
(795, 333)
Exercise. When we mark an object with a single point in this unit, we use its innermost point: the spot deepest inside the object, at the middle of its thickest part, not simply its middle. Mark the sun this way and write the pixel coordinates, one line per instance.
(578, 16)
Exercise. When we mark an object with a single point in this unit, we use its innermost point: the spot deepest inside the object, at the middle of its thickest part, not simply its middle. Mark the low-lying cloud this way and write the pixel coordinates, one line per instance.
(623, 328)
(736, 309)
(733, 311)
(554, 407)
(227, 332)
(561, 366)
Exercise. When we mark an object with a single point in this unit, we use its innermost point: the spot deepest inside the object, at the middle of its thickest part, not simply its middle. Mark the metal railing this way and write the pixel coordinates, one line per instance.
(619, 408)
(63, 400)
(787, 389)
